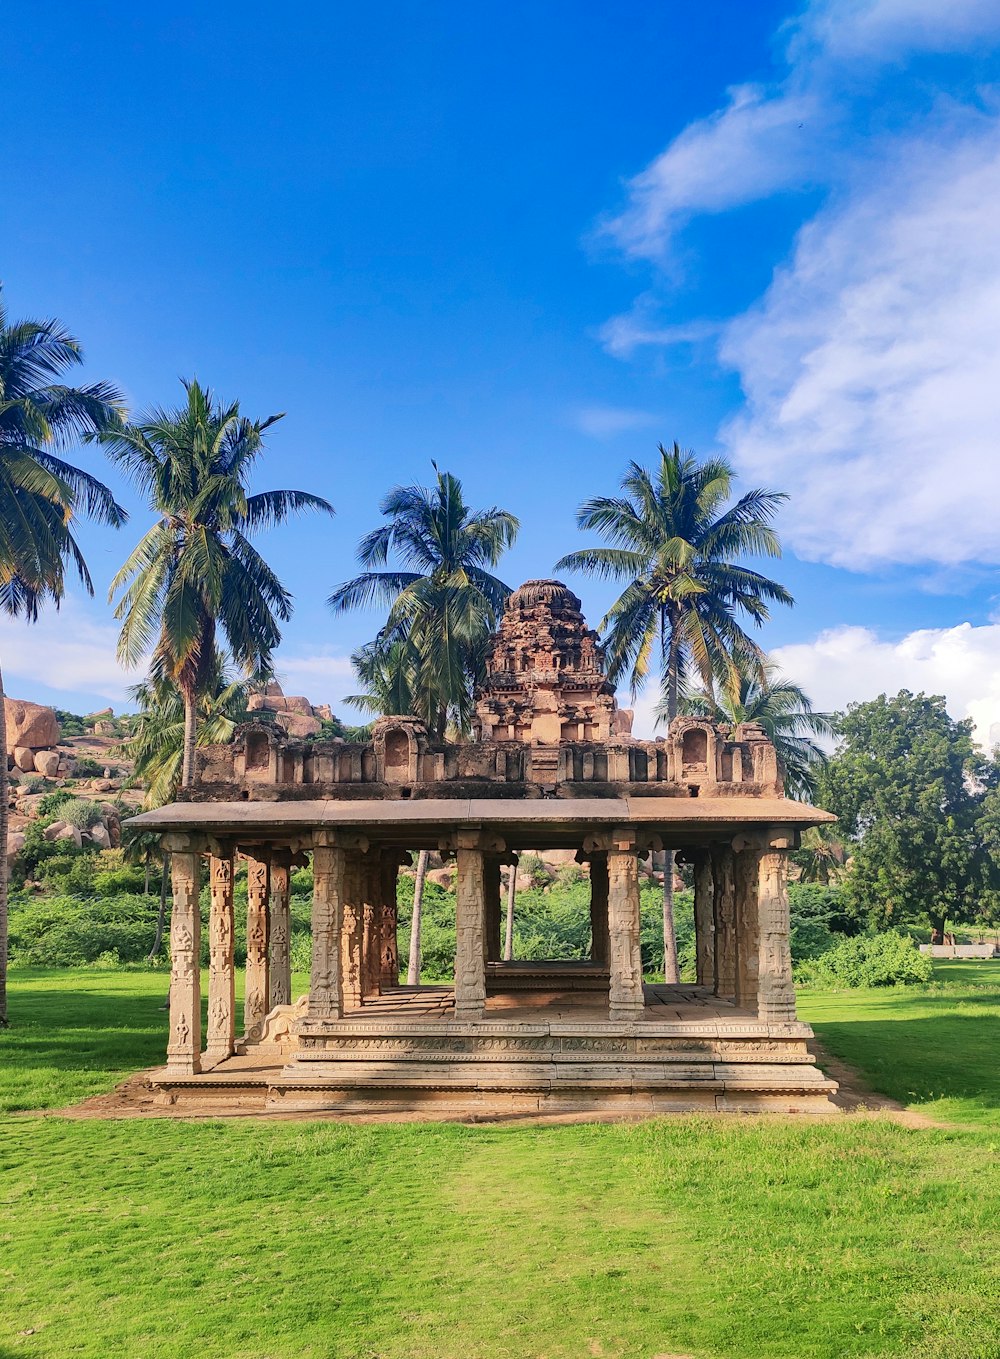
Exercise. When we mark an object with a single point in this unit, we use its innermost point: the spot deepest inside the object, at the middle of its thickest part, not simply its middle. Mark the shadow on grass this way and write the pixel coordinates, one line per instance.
(942, 1056)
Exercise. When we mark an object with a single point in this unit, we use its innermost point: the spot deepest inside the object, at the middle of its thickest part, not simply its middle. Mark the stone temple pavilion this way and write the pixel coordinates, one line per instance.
(551, 765)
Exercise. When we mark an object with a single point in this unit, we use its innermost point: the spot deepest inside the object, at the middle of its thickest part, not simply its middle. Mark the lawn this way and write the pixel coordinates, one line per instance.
(719, 1238)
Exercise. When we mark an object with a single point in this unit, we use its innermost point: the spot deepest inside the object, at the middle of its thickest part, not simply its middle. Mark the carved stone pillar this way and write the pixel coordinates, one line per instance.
(724, 908)
(371, 924)
(470, 924)
(389, 965)
(184, 1042)
(325, 990)
(747, 868)
(352, 932)
(257, 993)
(279, 944)
(494, 912)
(704, 917)
(221, 970)
(600, 944)
(625, 1001)
(775, 989)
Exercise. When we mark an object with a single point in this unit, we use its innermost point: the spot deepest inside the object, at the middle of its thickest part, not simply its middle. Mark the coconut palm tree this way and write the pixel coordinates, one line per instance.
(387, 667)
(196, 570)
(677, 541)
(40, 496)
(786, 714)
(442, 598)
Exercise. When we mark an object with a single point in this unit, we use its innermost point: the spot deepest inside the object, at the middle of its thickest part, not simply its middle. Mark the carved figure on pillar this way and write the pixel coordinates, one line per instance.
(257, 995)
(470, 927)
(775, 988)
(184, 1043)
(279, 943)
(389, 968)
(351, 932)
(724, 907)
(371, 928)
(704, 917)
(221, 968)
(625, 1001)
(325, 988)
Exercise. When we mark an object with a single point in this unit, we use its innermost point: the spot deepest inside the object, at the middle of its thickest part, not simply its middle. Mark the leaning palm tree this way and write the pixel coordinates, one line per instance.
(442, 597)
(40, 495)
(786, 714)
(196, 570)
(677, 541)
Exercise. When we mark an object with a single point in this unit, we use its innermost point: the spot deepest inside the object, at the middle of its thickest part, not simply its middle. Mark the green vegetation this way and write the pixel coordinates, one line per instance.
(725, 1238)
(888, 958)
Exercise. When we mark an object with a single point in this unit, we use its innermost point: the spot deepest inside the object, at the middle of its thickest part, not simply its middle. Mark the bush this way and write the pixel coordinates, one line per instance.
(81, 813)
(33, 783)
(87, 768)
(63, 931)
(887, 959)
(51, 803)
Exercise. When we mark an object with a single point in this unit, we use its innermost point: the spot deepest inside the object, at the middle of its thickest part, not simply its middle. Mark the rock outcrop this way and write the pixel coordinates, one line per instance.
(295, 715)
(30, 725)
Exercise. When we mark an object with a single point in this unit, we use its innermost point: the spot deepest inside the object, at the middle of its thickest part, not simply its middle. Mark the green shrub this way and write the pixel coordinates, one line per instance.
(886, 959)
(81, 813)
(34, 783)
(87, 768)
(63, 931)
(51, 803)
(110, 882)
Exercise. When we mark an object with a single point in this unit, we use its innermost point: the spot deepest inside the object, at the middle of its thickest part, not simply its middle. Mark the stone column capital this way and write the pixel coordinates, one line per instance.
(324, 837)
(185, 842)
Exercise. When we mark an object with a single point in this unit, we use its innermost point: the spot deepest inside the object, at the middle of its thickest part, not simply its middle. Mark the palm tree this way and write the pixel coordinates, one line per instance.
(442, 598)
(786, 714)
(155, 743)
(387, 667)
(677, 540)
(40, 494)
(195, 569)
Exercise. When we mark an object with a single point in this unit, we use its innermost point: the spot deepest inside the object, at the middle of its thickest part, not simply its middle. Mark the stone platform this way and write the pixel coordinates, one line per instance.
(549, 1051)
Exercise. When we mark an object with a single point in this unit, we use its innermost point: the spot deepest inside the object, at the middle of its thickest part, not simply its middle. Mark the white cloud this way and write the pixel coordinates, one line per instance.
(604, 422)
(887, 29)
(66, 649)
(316, 676)
(853, 664)
(870, 368)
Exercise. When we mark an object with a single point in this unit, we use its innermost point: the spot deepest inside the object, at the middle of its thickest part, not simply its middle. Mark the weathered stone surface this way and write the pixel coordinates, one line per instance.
(24, 759)
(99, 835)
(30, 724)
(298, 725)
(47, 763)
(71, 833)
(15, 843)
(52, 830)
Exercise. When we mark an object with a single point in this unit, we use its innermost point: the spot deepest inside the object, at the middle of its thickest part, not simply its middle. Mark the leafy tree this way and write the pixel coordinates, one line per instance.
(196, 569)
(443, 600)
(906, 784)
(40, 496)
(786, 714)
(678, 542)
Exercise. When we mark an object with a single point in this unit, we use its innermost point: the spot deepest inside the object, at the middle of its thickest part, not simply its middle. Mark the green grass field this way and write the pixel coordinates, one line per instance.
(716, 1238)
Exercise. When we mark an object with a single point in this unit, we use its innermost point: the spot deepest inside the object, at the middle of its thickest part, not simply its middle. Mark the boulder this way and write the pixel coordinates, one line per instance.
(53, 830)
(256, 703)
(15, 843)
(24, 759)
(298, 704)
(295, 724)
(100, 836)
(274, 690)
(71, 833)
(442, 877)
(103, 728)
(323, 711)
(47, 762)
(30, 725)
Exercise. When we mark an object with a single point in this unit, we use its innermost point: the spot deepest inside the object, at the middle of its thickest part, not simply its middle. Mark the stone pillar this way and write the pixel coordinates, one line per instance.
(494, 912)
(625, 1000)
(325, 990)
(600, 947)
(747, 869)
(257, 992)
(371, 924)
(352, 932)
(470, 926)
(775, 990)
(279, 944)
(221, 971)
(184, 1042)
(724, 910)
(704, 917)
(389, 962)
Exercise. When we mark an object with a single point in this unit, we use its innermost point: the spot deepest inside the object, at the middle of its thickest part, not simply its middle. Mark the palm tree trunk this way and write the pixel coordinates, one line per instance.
(145, 888)
(668, 649)
(190, 736)
(413, 963)
(161, 915)
(4, 786)
(508, 939)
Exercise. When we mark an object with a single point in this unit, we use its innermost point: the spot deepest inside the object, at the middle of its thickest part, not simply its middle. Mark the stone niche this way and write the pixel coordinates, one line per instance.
(400, 744)
(545, 679)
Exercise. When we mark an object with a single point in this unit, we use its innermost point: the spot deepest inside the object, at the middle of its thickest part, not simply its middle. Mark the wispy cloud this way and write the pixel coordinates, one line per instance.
(869, 364)
(604, 422)
(66, 650)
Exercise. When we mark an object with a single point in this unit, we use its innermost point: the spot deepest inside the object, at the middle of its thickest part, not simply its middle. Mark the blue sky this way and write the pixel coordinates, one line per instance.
(529, 241)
